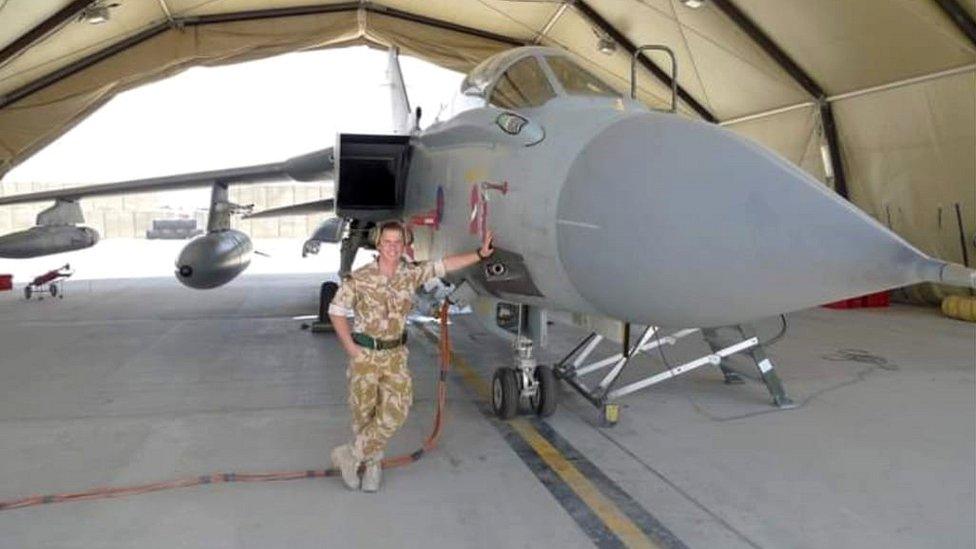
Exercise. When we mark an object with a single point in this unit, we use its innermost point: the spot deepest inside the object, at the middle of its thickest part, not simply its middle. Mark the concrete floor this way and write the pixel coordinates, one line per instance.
(135, 381)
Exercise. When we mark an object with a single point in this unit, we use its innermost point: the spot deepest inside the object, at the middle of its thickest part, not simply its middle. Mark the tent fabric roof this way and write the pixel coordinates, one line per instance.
(899, 75)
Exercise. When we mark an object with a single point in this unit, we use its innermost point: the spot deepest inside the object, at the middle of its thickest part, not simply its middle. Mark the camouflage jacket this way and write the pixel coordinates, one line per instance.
(379, 304)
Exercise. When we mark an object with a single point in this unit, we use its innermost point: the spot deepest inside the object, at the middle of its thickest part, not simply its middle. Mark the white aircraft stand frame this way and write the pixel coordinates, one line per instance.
(604, 395)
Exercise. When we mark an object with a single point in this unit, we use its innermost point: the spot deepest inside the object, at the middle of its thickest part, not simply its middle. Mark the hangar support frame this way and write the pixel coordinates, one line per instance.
(42, 29)
(746, 25)
(953, 10)
(960, 17)
(189, 21)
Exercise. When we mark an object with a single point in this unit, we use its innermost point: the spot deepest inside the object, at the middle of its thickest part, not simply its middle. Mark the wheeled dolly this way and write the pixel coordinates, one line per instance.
(51, 282)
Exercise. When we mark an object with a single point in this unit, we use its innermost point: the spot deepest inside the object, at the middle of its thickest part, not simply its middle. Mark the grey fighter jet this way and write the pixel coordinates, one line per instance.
(599, 206)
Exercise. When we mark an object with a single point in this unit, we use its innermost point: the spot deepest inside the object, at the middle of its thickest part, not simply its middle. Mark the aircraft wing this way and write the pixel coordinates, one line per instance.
(305, 208)
(314, 166)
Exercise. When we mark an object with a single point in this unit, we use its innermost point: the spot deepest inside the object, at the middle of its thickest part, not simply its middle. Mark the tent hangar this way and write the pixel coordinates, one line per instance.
(875, 98)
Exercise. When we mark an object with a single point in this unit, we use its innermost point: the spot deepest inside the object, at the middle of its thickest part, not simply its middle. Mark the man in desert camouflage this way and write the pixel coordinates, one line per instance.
(379, 296)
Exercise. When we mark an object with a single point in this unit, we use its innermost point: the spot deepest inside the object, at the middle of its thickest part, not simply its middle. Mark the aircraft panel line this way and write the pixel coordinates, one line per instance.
(578, 224)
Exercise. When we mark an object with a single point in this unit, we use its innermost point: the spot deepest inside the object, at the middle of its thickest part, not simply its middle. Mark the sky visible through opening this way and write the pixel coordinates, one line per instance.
(210, 118)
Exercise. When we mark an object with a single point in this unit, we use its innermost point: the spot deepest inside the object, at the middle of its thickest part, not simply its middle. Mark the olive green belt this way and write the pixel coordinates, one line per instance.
(364, 340)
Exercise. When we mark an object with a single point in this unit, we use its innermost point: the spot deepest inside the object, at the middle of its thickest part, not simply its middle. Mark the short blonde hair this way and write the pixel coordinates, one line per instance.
(393, 225)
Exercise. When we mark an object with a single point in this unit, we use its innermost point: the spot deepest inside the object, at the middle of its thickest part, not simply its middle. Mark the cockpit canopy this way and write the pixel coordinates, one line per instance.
(529, 77)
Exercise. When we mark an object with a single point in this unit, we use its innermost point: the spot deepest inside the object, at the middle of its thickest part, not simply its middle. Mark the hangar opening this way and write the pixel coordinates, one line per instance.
(829, 191)
(756, 67)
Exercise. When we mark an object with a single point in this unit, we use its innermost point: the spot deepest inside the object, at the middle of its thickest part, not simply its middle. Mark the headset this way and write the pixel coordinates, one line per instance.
(377, 230)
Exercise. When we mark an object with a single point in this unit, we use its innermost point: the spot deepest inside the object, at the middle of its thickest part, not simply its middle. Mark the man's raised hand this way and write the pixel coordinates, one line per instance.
(486, 245)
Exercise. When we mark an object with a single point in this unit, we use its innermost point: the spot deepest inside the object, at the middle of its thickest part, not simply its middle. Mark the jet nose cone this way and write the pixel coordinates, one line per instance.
(668, 221)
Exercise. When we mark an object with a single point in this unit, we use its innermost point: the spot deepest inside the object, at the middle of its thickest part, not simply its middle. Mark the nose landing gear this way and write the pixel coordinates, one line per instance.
(504, 393)
(528, 385)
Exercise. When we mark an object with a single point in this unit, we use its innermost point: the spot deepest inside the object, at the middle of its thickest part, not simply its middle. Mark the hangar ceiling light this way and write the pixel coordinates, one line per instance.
(96, 13)
(693, 4)
(604, 43)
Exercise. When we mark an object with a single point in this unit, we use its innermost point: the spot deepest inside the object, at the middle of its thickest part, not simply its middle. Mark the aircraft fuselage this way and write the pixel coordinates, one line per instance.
(647, 217)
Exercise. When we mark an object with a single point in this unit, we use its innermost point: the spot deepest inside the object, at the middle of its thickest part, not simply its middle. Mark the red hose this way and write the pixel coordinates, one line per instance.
(217, 478)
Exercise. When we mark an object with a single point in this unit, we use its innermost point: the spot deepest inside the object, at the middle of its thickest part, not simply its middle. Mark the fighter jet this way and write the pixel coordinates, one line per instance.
(599, 206)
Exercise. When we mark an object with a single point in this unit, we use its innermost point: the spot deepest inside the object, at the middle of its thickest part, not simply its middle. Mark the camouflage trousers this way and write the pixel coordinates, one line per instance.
(380, 394)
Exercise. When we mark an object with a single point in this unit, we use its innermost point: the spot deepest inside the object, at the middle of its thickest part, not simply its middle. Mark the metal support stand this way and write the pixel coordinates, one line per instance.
(714, 342)
(603, 395)
(221, 208)
(758, 355)
(349, 246)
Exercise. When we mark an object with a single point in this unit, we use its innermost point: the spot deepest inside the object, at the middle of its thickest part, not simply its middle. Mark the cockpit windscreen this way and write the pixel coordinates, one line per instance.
(524, 85)
(576, 80)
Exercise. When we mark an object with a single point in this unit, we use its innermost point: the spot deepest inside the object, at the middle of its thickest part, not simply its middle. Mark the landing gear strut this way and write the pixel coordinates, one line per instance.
(326, 293)
(347, 254)
(528, 384)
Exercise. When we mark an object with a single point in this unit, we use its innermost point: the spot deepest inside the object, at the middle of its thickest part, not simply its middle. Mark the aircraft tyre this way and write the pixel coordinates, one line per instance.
(504, 393)
(27, 292)
(544, 401)
(54, 290)
(326, 293)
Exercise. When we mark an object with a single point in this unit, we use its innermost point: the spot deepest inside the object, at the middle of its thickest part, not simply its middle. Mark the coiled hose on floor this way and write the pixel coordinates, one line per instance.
(218, 478)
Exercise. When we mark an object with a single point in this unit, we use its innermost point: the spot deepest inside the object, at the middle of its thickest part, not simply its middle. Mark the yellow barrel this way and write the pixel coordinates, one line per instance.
(962, 307)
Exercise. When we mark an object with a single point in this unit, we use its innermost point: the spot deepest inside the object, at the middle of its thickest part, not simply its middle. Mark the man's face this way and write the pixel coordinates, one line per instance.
(391, 245)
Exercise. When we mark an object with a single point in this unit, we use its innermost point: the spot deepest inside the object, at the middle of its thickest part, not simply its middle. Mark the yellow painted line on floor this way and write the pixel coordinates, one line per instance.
(611, 515)
(471, 378)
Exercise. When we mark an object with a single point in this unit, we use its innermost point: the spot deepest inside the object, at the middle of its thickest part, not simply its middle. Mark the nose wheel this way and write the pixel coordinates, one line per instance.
(504, 393)
(528, 384)
(544, 400)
